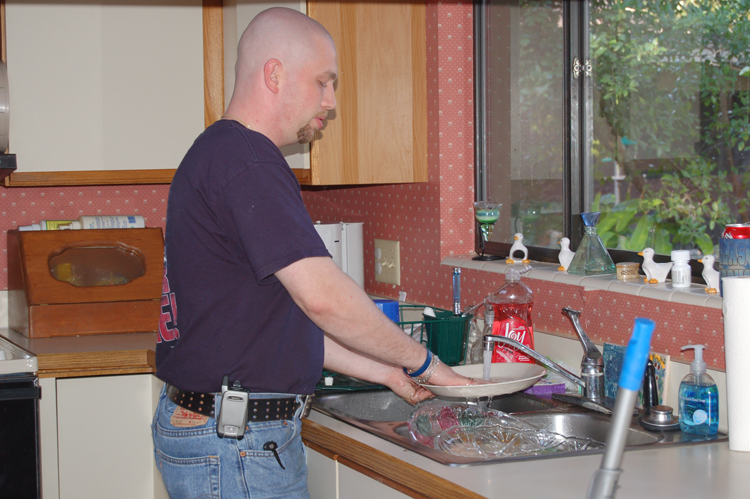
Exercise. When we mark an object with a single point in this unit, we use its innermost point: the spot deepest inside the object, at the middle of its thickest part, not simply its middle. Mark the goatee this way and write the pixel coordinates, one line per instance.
(305, 134)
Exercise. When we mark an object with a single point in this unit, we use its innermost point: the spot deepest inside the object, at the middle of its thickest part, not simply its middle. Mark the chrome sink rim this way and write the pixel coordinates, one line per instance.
(397, 432)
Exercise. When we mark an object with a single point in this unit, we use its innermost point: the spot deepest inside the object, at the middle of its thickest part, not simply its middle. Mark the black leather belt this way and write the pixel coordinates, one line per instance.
(273, 409)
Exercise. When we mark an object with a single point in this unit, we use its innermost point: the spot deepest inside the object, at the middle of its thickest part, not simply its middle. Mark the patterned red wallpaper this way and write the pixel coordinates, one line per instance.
(432, 220)
(435, 220)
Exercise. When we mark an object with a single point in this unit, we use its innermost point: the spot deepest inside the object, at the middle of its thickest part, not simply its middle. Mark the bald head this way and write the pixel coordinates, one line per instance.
(284, 59)
(277, 33)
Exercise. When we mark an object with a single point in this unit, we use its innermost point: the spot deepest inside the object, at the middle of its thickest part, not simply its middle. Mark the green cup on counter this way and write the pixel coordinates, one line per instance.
(447, 335)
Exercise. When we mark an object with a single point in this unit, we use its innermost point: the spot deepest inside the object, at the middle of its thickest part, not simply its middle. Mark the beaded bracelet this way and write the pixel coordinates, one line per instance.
(418, 372)
(425, 378)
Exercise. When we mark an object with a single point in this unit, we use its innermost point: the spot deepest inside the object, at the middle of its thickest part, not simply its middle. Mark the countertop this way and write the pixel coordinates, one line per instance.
(701, 470)
(91, 355)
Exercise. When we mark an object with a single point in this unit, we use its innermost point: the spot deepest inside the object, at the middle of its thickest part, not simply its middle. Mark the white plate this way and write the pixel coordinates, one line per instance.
(505, 378)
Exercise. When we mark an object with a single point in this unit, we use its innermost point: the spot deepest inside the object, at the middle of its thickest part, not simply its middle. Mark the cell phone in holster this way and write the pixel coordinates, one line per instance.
(232, 418)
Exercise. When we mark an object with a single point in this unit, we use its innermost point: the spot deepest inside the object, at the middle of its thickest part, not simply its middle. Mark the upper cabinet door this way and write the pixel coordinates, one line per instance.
(116, 91)
(103, 86)
(378, 131)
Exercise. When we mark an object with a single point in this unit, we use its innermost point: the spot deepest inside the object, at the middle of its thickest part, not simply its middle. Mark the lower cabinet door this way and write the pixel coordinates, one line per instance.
(321, 475)
(105, 449)
(329, 479)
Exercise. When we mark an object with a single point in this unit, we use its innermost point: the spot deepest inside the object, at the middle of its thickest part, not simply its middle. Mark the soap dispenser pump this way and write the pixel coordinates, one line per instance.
(698, 398)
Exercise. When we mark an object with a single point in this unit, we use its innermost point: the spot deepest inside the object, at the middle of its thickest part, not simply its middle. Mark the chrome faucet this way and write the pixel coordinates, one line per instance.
(592, 368)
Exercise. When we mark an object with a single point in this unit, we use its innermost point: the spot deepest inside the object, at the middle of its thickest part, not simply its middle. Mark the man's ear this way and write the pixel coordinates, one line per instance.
(272, 75)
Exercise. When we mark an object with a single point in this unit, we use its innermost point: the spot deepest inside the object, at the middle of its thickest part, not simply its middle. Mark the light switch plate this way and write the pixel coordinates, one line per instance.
(387, 262)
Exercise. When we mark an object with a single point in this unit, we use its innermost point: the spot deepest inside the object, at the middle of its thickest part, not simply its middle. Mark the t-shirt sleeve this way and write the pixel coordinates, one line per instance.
(270, 218)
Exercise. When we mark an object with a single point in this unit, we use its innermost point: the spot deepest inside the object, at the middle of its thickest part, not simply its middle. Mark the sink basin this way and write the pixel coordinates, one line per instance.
(587, 425)
(384, 405)
(384, 414)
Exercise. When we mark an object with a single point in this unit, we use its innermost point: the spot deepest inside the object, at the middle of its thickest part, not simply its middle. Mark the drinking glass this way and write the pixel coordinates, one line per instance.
(486, 214)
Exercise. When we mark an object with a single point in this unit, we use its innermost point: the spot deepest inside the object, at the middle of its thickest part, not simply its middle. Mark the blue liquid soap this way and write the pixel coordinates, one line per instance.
(698, 398)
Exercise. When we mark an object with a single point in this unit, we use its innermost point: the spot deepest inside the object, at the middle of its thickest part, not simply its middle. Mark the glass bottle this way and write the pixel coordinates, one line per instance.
(474, 334)
(476, 355)
(591, 257)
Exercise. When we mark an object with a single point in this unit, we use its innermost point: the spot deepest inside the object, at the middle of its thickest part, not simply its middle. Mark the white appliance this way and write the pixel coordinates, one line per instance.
(344, 241)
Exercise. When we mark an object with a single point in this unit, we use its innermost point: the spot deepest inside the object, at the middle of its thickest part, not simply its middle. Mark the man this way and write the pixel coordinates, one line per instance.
(250, 290)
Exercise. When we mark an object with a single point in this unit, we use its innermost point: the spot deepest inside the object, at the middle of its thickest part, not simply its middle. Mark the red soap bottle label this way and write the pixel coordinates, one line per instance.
(508, 323)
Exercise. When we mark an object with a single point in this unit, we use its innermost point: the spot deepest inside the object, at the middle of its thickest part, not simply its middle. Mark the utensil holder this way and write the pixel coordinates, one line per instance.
(445, 334)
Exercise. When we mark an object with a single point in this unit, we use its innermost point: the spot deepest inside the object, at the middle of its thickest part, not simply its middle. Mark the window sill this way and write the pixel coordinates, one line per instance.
(694, 295)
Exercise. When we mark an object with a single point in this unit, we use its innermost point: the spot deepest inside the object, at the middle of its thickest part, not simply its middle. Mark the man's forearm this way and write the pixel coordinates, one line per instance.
(343, 360)
(341, 308)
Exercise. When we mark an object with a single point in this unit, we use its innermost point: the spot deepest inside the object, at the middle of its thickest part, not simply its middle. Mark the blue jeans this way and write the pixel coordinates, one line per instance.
(196, 464)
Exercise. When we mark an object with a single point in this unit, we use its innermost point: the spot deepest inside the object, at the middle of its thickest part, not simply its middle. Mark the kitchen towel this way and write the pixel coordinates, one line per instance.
(737, 353)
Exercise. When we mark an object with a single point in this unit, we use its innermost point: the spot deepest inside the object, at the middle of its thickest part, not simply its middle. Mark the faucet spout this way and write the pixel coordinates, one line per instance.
(592, 366)
(490, 339)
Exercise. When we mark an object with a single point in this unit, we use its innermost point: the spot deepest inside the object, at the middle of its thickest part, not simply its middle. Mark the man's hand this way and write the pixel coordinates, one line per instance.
(409, 390)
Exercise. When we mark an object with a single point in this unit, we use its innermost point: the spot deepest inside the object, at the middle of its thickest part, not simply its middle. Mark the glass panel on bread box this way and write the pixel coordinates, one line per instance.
(97, 266)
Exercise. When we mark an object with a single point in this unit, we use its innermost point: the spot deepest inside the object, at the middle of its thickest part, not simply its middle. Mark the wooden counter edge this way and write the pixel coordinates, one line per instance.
(404, 477)
(66, 365)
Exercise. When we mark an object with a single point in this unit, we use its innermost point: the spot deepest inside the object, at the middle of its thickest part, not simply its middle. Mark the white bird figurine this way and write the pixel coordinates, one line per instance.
(518, 246)
(655, 272)
(566, 255)
(710, 274)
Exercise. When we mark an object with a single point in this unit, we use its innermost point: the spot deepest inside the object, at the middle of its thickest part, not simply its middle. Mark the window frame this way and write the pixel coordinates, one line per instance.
(578, 182)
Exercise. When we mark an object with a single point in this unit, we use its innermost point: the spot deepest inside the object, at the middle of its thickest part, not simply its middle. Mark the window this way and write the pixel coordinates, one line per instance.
(637, 109)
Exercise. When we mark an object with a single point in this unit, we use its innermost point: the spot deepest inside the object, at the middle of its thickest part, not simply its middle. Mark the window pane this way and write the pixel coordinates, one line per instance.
(524, 121)
(671, 129)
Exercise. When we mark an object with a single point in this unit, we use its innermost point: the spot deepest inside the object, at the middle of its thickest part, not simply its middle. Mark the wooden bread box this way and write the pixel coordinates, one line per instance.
(84, 282)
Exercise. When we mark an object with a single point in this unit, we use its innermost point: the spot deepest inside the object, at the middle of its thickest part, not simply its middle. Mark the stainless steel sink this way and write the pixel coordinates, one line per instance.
(384, 414)
(587, 425)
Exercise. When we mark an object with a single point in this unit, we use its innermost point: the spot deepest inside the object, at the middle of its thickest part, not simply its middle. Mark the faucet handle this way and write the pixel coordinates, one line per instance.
(592, 355)
(570, 312)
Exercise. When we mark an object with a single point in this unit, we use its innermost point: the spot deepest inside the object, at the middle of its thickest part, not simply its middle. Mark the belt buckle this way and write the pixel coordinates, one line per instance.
(306, 405)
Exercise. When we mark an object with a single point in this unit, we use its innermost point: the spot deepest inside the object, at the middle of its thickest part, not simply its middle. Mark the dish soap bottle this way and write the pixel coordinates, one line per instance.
(698, 398)
(512, 305)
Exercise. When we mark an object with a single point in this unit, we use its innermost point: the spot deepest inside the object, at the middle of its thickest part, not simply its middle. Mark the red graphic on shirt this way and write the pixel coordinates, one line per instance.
(168, 321)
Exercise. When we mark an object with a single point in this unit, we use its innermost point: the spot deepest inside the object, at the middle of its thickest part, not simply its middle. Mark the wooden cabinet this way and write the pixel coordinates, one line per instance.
(104, 91)
(78, 282)
(377, 134)
(378, 131)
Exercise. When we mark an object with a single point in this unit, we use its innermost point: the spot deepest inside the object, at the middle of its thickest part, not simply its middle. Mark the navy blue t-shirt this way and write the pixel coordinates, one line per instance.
(235, 216)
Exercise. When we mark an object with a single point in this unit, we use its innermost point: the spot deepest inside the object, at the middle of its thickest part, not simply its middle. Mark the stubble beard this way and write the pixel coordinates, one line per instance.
(305, 134)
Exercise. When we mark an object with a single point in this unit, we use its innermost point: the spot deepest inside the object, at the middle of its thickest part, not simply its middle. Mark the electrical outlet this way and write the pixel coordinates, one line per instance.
(387, 262)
